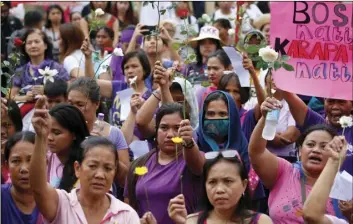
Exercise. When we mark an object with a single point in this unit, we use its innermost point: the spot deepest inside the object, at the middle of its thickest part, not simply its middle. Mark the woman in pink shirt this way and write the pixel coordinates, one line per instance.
(96, 167)
(289, 184)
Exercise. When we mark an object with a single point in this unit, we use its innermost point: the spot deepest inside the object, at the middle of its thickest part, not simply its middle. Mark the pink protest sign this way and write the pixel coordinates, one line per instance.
(318, 38)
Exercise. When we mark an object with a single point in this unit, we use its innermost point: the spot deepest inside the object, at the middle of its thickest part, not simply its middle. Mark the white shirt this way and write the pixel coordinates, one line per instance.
(75, 60)
(179, 23)
(232, 15)
(252, 13)
(149, 16)
(335, 220)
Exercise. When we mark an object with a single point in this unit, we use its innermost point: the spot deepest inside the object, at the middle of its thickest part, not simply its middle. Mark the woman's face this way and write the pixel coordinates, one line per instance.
(7, 130)
(233, 89)
(100, 4)
(132, 68)
(35, 46)
(215, 70)
(224, 185)
(122, 6)
(312, 153)
(81, 101)
(167, 129)
(266, 31)
(75, 18)
(18, 163)
(150, 42)
(55, 15)
(217, 109)
(97, 171)
(103, 40)
(59, 138)
(223, 33)
(207, 46)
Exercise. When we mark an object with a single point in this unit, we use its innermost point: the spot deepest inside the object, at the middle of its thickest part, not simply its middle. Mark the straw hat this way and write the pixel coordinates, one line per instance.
(262, 20)
(208, 32)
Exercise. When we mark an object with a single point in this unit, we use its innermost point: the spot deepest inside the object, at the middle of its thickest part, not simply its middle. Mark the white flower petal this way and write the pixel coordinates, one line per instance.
(346, 121)
(206, 17)
(41, 71)
(99, 12)
(118, 52)
(51, 79)
(268, 54)
(231, 32)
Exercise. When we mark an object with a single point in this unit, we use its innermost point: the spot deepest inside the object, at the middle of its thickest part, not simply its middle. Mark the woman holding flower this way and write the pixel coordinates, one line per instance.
(101, 15)
(173, 168)
(289, 184)
(38, 67)
(95, 167)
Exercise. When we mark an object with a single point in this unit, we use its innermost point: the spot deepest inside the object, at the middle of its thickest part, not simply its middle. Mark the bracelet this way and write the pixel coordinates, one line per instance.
(189, 145)
(159, 99)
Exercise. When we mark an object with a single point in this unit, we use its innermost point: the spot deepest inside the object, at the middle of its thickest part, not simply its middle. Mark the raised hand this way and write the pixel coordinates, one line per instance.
(41, 119)
(148, 218)
(86, 48)
(248, 65)
(177, 210)
(337, 148)
(136, 102)
(270, 104)
(161, 75)
(185, 131)
(139, 30)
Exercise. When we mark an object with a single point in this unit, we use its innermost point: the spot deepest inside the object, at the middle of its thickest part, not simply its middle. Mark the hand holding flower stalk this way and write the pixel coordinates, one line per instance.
(345, 122)
(141, 171)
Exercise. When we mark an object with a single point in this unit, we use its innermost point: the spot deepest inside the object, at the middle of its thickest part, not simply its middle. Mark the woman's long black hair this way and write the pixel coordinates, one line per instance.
(51, 7)
(71, 118)
(242, 210)
(198, 52)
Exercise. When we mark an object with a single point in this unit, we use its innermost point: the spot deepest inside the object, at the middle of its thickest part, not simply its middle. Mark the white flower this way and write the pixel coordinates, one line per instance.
(231, 32)
(206, 18)
(268, 54)
(6, 63)
(346, 121)
(48, 74)
(273, 91)
(118, 52)
(133, 80)
(99, 12)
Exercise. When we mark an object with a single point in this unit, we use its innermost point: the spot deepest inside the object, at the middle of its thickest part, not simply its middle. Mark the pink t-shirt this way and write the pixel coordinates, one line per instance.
(285, 200)
(70, 210)
(54, 169)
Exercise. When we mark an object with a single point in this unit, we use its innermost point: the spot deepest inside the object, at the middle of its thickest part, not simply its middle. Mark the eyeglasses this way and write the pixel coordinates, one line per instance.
(225, 154)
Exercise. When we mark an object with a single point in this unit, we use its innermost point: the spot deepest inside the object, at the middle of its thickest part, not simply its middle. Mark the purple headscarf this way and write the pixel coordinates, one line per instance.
(115, 63)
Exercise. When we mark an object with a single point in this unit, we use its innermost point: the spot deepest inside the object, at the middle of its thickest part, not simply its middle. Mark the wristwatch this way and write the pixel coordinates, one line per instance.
(189, 145)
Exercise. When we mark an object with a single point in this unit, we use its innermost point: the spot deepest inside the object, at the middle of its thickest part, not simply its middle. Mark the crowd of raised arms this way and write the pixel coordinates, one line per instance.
(104, 120)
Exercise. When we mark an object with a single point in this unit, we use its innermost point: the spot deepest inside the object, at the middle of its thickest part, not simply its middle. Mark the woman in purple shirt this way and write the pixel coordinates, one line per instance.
(37, 53)
(18, 153)
(172, 168)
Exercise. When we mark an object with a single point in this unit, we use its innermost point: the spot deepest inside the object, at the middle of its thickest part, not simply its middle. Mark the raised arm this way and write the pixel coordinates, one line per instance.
(193, 157)
(315, 205)
(87, 51)
(297, 107)
(162, 77)
(129, 124)
(263, 161)
(137, 33)
(260, 93)
(45, 195)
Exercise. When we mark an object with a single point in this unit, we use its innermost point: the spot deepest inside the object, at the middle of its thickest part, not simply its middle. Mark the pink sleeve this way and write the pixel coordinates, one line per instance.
(335, 220)
(63, 207)
(284, 167)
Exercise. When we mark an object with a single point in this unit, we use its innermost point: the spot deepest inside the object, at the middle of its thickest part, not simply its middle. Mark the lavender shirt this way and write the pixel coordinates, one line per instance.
(11, 214)
(162, 183)
(116, 136)
(26, 79)
(313, 118)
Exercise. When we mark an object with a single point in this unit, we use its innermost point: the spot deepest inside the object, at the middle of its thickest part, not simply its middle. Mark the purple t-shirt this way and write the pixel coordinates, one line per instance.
(313, 118)
(11, 214)
(162, 183)
(116, 136)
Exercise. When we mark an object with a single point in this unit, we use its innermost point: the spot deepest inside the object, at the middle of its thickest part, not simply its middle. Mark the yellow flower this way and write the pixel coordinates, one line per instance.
(141, 170)
(177, 140)
(1, 4)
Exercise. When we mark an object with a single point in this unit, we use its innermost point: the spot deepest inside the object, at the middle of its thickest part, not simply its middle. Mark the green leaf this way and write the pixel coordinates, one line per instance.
(192, 57)
(4, 90)
(7, 75)
(175, 46)
(285, 58)
(252, 49)
(264, 66)
(256, 58)
(277, 65)
(287, 67)
(259, 64)
(184, 32)
(205, 83)
(163, 11)
(145, 3)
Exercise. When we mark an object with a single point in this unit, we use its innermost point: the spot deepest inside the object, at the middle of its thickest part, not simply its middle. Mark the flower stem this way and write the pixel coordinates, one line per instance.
(340, 157)
(269, 91)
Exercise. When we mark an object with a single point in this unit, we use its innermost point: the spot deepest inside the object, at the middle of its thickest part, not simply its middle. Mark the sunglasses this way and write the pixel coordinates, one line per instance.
(225, 154)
